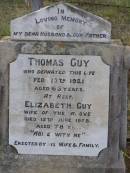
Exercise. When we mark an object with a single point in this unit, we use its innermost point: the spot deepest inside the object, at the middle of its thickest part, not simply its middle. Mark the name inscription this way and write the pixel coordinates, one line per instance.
(59, 104)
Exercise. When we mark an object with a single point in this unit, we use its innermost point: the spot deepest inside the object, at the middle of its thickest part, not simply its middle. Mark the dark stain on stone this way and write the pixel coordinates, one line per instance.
(18, 47)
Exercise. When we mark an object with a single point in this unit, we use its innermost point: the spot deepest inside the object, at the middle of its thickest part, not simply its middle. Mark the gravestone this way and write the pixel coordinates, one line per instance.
(64, 87)
(55, 106)
(61, 22)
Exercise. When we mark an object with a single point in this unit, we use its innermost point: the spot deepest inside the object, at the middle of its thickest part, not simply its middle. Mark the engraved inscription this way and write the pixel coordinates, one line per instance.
(61, 22)
(59, 104)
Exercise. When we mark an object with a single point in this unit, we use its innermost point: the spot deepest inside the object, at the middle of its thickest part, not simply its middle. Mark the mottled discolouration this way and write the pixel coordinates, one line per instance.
(61, 22)
(110, 160)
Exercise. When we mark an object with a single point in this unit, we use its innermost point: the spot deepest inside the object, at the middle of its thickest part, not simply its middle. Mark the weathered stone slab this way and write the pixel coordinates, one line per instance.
(61, 22)
(109, 160)
(61, 102)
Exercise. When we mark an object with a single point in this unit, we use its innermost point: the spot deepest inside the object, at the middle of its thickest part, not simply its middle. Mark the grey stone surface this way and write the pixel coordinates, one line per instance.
(61, 22)
(82, 128)
(110, 160)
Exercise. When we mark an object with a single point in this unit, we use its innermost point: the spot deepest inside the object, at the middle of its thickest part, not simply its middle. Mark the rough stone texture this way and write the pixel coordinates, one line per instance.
(110, 160)
(61, 22)
(115, 11)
